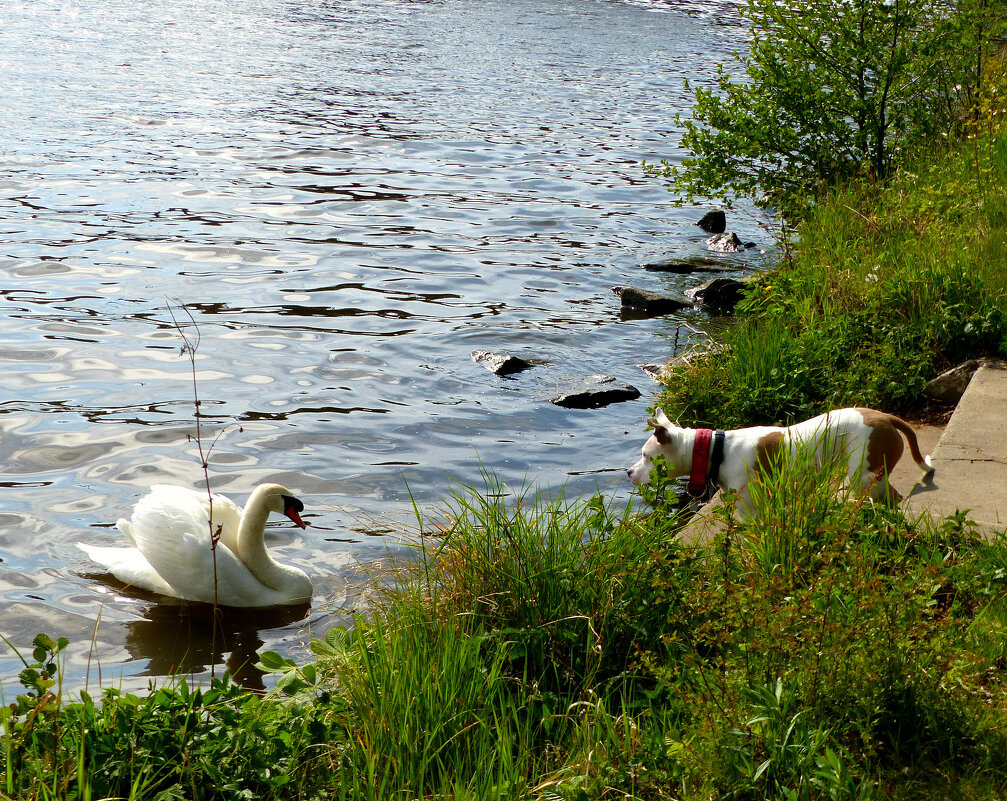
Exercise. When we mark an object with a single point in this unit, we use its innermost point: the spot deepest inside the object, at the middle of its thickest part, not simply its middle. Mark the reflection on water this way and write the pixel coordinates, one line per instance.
(350, 199)
(181, 639)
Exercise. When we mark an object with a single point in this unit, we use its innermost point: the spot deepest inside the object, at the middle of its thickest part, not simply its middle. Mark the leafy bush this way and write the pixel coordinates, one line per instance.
(176, 742)
(831, 90)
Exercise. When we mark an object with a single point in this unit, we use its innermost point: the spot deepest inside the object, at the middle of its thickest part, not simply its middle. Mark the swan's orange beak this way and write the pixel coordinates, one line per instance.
(292, 509)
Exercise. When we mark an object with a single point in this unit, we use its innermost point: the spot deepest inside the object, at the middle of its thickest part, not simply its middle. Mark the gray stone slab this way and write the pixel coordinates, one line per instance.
(971, 457)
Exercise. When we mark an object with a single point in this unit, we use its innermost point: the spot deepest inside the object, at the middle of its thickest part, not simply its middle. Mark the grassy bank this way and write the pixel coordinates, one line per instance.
(883, 287)
(830, 650)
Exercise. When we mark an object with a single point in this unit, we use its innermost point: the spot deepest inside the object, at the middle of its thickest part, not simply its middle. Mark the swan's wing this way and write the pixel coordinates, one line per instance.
(170, 527)
(235, 585)
(226, 513)
(129, 566)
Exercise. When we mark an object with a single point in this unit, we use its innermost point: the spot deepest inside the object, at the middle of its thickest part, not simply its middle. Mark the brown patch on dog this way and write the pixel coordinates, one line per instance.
(661, 435)
(767, 451)
(884, 443)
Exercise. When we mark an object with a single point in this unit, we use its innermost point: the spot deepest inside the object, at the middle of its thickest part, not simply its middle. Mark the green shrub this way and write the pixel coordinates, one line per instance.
(834, 90)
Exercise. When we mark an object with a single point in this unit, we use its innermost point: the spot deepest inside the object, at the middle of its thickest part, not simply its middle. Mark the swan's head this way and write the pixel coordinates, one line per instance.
(281, 500)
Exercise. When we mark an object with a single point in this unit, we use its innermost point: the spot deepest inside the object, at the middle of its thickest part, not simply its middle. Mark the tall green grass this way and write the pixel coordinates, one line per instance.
(553, 649)
(551, 577)
(426, 710)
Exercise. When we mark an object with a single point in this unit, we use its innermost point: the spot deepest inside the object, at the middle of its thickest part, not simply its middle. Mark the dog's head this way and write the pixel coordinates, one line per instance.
(665, 440)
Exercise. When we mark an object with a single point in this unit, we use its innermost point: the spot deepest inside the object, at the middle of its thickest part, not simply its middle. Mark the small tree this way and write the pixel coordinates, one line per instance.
(832, 89)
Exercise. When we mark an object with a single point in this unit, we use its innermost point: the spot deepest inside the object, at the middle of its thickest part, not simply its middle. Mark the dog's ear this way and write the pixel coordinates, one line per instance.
(661, 435)
(661, 419)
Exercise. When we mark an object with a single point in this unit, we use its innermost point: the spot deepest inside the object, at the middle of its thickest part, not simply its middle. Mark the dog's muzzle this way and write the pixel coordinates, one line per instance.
(640, 472)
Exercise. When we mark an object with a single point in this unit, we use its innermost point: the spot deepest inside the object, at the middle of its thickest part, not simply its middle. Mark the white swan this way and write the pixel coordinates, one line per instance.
(170, 529)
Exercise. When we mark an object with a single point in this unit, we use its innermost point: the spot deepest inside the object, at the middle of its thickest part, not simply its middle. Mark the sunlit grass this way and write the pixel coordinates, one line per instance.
(575, 649)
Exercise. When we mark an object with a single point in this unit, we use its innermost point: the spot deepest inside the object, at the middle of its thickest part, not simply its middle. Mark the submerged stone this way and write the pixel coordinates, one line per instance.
(595, 391)
(643, 303)
(500, 363)
(694, 264)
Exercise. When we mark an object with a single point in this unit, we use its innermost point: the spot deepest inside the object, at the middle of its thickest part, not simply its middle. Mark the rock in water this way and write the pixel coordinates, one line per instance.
(725, 243)
(720, 294)
(500, 363)
(596, 391)
(647, 303)
(713, 222)
(693, 264)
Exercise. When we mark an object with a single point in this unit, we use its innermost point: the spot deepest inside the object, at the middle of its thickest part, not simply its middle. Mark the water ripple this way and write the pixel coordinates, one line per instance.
(349, 199)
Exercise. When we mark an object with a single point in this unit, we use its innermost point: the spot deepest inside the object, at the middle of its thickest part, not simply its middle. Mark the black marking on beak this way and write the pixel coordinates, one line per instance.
(292, 508)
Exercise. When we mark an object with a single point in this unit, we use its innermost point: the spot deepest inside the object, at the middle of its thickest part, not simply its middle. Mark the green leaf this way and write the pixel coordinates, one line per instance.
(291, 683)
(272, 662)
(43, 641)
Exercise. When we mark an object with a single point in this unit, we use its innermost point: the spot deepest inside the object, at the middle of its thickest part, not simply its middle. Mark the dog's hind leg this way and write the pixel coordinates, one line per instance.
(882, 491)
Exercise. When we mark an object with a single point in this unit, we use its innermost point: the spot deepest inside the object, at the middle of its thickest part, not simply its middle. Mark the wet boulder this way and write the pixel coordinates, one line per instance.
(595, 391)
(500, 363)
(727, 243)
(720, 294)
(641, 303)
(687, 266)
(713, 222)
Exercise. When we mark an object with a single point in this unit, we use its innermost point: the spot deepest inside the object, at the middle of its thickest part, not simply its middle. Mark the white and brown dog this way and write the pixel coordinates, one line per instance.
(869, 439)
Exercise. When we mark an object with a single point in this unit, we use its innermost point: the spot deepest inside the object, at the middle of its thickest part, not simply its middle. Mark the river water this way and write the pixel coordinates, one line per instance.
(349, 197)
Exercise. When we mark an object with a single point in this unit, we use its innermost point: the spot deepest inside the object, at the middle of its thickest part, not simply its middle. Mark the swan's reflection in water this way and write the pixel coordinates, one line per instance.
(183, 638)
(186, 638)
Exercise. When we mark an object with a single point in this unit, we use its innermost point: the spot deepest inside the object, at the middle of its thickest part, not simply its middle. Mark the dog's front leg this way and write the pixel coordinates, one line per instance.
(743, 506)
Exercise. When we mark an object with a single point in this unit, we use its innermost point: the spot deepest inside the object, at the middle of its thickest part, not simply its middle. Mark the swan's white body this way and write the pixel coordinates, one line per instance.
(170, 532)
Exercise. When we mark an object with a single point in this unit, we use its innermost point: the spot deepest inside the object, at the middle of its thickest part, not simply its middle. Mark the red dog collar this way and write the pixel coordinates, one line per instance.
(700, 461)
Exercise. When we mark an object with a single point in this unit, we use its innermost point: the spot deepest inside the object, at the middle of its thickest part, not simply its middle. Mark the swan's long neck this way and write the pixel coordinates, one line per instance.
(252, 547)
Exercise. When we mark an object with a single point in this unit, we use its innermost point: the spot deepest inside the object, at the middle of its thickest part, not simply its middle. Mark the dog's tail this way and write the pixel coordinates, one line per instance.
(924, 462)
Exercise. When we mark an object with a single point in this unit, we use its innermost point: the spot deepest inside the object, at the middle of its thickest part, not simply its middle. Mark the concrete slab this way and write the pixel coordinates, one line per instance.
(971, 457)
